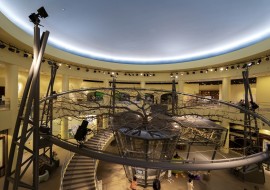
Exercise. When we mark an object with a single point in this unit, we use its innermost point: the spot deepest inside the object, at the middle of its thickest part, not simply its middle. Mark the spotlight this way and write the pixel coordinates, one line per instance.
(95, 71)
(193, 72)
(69, 66)
(187, 73)
(141, 74)
(227, 68)
(41, 14)
(2, 45)
(117, 74)
(109, 73)
(232, 67)
(25, 55)
(137, 74)
(87, 70)
(238, 66)
(201, 71)
(259, 61)
(17, 51)
(11, 49)
(78, 68)
(125, 74)
(267, 58)
(215, 69)
(154, 74)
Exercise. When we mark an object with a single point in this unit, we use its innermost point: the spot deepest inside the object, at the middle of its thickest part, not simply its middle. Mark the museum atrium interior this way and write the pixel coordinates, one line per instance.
(161, 88)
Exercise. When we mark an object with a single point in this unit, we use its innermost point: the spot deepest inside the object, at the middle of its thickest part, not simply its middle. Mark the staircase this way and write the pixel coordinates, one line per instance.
(80, 173)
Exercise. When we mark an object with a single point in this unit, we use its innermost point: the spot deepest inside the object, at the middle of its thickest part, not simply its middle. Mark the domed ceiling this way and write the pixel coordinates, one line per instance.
(146, 32)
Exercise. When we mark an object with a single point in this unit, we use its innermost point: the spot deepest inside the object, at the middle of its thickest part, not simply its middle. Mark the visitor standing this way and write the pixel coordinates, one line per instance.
(133, 184)
(156, 184)
(190, 184)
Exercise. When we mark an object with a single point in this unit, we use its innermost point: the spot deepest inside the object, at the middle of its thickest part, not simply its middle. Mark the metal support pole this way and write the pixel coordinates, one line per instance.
(26, 123)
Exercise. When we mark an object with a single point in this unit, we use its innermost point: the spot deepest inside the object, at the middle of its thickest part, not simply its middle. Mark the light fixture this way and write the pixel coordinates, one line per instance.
(232, 67)
(41, 14)
(87, 70)
(259, 61)
(221, 68)
(12, 49)
(227, 68)
(238, 66)
(267, 58)
(25, 55)
(2, 45)
(78, 68)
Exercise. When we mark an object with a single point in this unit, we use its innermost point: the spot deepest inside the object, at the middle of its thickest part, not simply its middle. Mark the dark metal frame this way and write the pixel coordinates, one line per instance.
(28, 123)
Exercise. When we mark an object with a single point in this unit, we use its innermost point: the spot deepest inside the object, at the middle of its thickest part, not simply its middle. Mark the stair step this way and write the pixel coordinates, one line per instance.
(76, 172)
(81, 164)
(75, 177)
(89, 160)
(89, 181)
(80, 186)
(80, 169)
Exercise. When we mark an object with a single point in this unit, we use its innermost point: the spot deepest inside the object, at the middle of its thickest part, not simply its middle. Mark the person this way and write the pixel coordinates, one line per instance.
(156, 184)
(241, 103)
(190, 184)
(176, 155)
(133, 184)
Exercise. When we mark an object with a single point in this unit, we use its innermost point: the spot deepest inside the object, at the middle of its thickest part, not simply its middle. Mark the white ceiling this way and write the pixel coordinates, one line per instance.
(147, 31)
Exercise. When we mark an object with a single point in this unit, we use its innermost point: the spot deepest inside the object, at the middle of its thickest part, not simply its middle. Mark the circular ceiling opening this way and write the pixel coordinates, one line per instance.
(147, 32)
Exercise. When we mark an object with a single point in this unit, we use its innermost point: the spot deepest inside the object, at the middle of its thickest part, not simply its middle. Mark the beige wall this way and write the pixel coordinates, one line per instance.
(263, 90)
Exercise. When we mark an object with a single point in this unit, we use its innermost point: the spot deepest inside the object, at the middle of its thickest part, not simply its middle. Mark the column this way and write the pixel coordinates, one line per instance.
(11, 88)
(226, 89)
(105, 120)
(64, 128)
(142, 84)
(226, 147)
(106, 83)
(11, 95)
(64, 123)
(180, 89)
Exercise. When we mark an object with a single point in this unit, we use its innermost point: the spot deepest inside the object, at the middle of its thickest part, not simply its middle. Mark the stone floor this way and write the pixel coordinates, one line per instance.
(113, 178)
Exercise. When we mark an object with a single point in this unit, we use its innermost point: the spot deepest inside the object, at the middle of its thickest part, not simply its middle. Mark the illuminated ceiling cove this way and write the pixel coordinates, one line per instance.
(147, 32)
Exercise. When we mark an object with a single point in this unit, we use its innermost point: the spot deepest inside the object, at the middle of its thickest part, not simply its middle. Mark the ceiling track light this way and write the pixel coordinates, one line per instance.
(12, 49)
(25, 55)
(2, 45)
